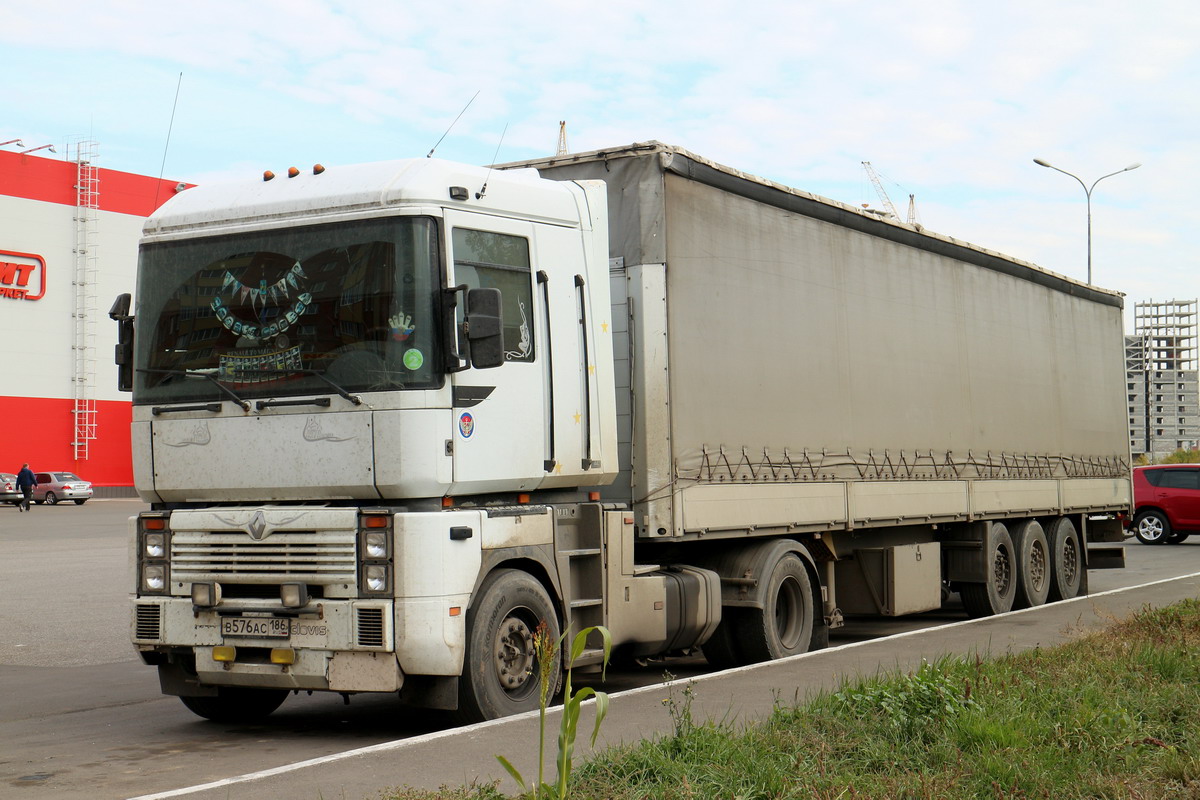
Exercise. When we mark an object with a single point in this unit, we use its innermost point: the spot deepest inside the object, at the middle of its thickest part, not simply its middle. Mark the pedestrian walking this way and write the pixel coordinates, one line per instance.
(25, 483)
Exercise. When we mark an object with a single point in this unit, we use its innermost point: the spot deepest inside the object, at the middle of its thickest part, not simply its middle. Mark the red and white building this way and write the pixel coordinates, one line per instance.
(68, 247)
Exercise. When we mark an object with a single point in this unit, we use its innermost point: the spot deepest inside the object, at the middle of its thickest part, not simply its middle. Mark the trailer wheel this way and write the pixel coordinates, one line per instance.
(996, 594)
(500, 671)
(784, 626)
(1033, 564)
(1066, 560)
(1152, 527)
(236, 704)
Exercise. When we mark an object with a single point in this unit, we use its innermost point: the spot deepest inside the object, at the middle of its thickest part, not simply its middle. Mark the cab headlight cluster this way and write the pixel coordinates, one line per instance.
(374, 552)
(154, 553)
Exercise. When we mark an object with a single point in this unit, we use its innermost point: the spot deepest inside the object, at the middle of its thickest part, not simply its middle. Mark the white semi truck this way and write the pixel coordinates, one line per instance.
(392, 417)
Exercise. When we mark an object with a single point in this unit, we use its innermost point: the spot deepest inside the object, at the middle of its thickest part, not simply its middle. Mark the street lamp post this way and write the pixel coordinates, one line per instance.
(1087, 191)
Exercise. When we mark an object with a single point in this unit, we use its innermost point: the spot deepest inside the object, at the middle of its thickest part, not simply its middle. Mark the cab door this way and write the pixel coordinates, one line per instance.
(499, 416)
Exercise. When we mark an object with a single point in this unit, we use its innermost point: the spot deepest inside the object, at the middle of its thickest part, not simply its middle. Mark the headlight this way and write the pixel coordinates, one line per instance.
(154, 577)
(375, 532)
(153, 552)
(156, 545)
(376, 576)
(377, 545)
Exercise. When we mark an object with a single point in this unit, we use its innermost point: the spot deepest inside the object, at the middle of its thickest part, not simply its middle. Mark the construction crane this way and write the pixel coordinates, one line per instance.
(888, 207)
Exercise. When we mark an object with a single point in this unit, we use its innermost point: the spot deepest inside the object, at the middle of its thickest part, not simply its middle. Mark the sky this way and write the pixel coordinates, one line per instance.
(949, 101)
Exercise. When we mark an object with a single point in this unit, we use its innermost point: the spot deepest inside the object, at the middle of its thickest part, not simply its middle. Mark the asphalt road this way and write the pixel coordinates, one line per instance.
(80, 717)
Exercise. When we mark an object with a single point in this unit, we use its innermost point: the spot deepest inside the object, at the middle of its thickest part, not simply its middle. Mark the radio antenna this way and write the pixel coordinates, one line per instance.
(167, 144)
(479, 195)
(452, 124)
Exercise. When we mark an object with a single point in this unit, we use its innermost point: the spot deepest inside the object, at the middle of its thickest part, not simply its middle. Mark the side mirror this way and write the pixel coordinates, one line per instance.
(484, 328)
(119, 313)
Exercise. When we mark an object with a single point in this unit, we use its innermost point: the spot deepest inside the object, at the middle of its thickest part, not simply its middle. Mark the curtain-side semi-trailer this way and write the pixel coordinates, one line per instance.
(391, 418)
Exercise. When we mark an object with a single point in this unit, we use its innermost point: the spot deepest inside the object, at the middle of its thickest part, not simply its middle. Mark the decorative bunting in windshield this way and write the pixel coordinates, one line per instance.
(264, 294)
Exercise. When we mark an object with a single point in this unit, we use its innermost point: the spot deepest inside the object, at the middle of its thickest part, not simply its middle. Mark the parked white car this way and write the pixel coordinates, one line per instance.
(55, 486)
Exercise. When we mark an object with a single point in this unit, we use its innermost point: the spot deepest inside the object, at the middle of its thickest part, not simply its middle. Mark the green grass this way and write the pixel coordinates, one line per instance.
(1110, 715)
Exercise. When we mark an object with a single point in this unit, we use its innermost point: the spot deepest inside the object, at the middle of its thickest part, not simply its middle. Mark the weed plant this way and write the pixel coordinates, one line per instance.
(1113, 715)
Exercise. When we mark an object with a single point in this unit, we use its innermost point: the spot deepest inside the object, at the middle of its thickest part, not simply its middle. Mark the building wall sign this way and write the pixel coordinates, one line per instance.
(22, 276)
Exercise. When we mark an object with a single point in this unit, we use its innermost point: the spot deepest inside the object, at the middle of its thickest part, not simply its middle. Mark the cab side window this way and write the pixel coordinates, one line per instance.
(485, 260)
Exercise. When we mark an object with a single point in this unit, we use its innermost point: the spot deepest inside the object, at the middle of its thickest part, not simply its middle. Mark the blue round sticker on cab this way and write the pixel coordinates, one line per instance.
(466, 425)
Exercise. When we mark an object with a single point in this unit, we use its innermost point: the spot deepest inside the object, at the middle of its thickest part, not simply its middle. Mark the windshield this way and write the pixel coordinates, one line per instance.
(289, 311)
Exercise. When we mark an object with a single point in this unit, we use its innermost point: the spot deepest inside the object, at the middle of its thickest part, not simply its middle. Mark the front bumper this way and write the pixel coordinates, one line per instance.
(333, 645)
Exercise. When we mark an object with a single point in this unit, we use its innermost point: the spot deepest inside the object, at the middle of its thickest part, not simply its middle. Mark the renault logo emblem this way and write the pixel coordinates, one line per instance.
(258, 525)
(258, 528)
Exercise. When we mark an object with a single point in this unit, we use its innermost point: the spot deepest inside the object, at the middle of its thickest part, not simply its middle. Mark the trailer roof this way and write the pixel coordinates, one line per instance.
(679, 161)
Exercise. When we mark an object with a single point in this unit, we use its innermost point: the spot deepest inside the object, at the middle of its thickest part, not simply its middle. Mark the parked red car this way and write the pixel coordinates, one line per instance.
(1166, 499)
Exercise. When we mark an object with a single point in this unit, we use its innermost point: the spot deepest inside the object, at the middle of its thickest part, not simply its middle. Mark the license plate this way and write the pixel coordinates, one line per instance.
(258, 627)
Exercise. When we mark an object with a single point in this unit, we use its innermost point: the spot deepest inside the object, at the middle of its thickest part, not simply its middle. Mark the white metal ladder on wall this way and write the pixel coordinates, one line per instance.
(83, 347)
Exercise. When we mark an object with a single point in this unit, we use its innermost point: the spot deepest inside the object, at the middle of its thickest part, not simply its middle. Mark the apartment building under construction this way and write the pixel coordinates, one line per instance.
(1161, 376)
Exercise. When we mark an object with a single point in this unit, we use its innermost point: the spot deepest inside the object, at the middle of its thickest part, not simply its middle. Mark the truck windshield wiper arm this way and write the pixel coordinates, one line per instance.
(353, 398)
(208, 376)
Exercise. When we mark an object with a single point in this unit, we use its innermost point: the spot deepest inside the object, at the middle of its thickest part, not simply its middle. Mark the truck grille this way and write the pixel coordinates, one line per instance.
(295, 555)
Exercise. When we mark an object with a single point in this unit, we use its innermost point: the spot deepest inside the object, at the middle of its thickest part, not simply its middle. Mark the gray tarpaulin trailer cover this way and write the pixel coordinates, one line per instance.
(832, 369)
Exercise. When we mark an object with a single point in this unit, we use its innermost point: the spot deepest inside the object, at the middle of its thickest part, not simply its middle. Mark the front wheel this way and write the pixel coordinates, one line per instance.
(1151, 527)
(51, 498)
(235, 704)
(500, 672)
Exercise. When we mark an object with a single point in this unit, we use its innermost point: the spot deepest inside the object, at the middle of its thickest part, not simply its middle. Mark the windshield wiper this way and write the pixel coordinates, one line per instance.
(353, 398)
(195, 374)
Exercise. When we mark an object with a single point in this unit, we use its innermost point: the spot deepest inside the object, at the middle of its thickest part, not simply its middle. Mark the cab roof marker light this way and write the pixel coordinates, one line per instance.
(268, 175)
(318, 169)
(293, 172)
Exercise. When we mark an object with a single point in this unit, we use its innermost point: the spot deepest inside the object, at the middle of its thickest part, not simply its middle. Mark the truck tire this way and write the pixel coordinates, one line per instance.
(1152, 527)
(996, 594)
(236, 704)
(1066, 560)
(500, 670)
(1033, 564)
(784, 626)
